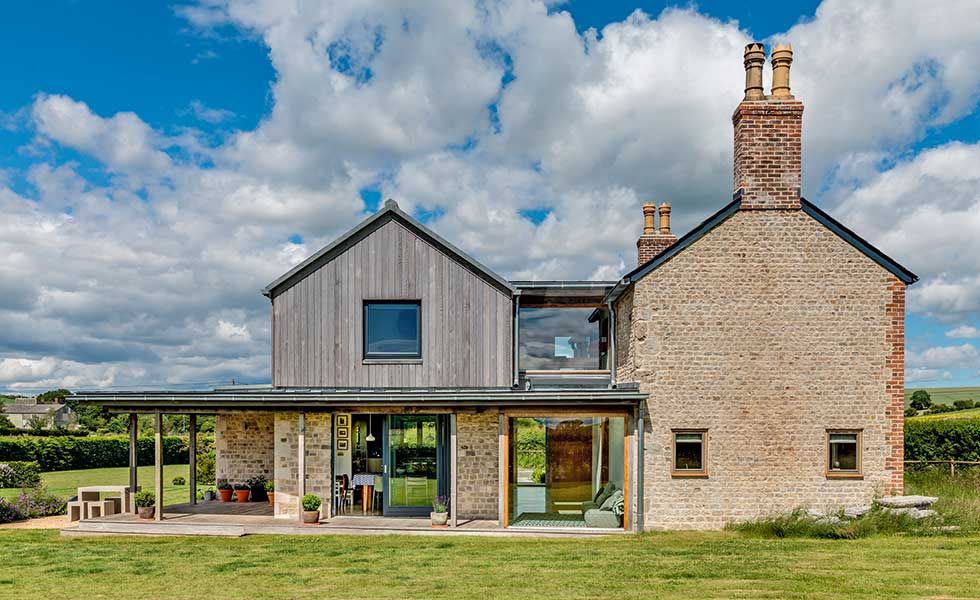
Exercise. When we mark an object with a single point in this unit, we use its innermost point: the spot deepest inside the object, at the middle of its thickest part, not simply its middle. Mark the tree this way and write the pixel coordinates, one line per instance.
(54, 396)
(921, 400)
(38, 422)
(911, 412)
(5, 423)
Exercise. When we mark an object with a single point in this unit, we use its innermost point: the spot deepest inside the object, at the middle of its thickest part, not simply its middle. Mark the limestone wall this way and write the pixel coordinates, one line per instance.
(766, 332)
(318, 449)
(477, 465)
(243, 446)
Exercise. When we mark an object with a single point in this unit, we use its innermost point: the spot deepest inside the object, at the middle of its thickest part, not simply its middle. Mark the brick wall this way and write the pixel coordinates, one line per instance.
(477, 478)
(767, 331)
(243, 446)
(768, 153)
(318, 451)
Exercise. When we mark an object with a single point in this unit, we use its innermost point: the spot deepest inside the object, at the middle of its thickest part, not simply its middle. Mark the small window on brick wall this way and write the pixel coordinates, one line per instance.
(690, 449)
(844, 453)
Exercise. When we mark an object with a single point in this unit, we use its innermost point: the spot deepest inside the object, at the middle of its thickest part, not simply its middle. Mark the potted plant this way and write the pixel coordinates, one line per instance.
(241, 492)
(145, 504)
(208, 495)
(257, 486)
(311, 508)
(440, 512)
(270, 491)
(224, 490)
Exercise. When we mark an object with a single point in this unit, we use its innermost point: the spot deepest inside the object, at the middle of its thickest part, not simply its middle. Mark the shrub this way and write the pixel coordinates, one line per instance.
(38, 502)
(224, 485)
(270, 486)
(963, 404)
(179, 481)
(311, 502)
(62, 453)
(956, 439)
(440, 504)
(205, 467)
(23, 474)
(145, 499)
(9, 512)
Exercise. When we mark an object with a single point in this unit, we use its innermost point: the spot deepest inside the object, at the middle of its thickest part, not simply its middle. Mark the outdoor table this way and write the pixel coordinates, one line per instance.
(366, 480)
(91, 493)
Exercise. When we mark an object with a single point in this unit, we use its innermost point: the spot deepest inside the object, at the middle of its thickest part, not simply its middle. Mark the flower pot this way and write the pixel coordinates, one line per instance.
(258, 493)
(311, 516)
(242, 495)
(209, 495)
(225, 495)
(439, 519)
(147, 512)
(272, 498)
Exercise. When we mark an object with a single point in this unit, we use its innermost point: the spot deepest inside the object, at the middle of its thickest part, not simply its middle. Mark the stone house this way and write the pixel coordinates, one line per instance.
(753, 365)
(25, 411)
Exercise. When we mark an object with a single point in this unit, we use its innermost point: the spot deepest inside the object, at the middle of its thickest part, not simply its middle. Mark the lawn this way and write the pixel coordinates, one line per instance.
(66, 483)
(40, 564)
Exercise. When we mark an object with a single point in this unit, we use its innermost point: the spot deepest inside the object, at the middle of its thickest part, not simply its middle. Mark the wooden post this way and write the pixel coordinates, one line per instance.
(952, 468)
(453, 456)
(134, 425)
(158, 463)
(192, 455)
(301, 462)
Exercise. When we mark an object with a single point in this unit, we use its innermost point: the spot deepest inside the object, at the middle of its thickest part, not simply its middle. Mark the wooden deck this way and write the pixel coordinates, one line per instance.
(230, 519)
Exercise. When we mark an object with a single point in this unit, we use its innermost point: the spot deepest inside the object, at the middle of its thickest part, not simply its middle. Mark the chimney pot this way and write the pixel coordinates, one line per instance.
(782, 59)
(665, 219)
(755, 58)
(649, 219)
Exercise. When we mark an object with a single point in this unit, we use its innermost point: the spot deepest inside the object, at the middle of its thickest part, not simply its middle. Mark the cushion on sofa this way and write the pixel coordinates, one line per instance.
(611, 501)
(607, 490)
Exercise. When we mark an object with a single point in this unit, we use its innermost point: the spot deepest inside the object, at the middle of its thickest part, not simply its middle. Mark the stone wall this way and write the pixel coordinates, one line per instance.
(766, 332)
(318, 450)
(477, 481)
(243, 446)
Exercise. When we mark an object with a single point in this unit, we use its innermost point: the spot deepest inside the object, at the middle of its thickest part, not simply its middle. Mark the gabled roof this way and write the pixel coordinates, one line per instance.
(31, 409)
(730, 209)
(389, 212)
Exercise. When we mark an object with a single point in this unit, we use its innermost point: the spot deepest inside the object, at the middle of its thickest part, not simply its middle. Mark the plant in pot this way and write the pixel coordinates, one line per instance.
(257, 486)
(208, 495)
(311, 508)
(270, 491)
(224, 490)
(145, 504)
(241, 492)
(440, 512)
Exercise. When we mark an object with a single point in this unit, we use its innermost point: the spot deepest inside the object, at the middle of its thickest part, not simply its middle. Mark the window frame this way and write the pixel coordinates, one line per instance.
(857, 473)
(696, 473)
(369, 358)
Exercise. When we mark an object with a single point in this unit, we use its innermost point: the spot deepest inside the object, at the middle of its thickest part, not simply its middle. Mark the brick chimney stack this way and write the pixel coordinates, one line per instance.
(768, 167)
(656, 232)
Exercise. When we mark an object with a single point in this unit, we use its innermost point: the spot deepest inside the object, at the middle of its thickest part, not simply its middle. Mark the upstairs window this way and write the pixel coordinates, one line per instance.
(392, 329)
(556, 338)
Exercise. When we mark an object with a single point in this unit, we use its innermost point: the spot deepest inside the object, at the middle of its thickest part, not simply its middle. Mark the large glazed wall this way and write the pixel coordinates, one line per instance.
(477, 438)
(466, 322)
(243, 446)
(766, 332)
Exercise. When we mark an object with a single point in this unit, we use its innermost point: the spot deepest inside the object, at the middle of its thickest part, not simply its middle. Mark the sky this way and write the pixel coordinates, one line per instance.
(161, 162)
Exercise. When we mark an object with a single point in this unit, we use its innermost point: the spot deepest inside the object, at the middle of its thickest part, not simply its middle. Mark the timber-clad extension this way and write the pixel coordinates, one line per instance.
(755, 364)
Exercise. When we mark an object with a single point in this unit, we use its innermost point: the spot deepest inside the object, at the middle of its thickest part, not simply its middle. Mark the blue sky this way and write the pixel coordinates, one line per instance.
(148, 148)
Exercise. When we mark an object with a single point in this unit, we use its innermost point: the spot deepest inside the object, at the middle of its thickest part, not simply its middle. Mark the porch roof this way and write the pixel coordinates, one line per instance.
(313, 399)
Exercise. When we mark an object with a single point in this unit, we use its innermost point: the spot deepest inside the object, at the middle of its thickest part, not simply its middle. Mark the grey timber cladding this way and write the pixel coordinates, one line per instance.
(318, 321)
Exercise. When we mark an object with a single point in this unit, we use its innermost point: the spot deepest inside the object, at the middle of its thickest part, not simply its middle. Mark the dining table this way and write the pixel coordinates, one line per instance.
(366, 481)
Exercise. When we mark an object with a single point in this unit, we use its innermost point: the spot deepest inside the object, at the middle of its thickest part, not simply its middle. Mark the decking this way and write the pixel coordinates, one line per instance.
(230, 519)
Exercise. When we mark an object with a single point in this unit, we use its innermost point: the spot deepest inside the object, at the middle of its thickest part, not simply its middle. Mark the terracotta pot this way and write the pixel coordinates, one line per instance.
(147, 512)
(225, 495)
(311, 516)
(272, 498)
(439, 519)
(242, 495)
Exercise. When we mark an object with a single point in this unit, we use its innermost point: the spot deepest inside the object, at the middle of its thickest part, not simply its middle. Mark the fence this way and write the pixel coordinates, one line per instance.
(952, 463)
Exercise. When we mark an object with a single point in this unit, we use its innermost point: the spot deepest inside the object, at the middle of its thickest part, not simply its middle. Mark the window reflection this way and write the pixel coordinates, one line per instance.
(561, 338)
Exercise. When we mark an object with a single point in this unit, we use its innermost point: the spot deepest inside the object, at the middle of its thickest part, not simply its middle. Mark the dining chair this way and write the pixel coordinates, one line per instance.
(379, 488)
(338, 495)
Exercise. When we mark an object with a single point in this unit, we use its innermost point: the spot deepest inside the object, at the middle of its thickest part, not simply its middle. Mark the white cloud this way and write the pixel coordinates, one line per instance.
(209, 115)
(964, 331)
(923, 375)
(964, 356)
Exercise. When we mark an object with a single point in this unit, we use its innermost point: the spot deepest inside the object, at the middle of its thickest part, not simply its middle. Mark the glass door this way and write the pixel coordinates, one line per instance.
(413, 463)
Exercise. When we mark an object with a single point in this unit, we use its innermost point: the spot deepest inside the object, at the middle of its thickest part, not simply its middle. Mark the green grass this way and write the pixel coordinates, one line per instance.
(959, 495)
(66, 483)
(970, 413)
(946, 395)
(669, 565)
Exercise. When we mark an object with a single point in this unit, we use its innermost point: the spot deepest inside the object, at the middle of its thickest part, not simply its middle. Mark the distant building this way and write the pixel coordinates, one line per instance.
(56, 415)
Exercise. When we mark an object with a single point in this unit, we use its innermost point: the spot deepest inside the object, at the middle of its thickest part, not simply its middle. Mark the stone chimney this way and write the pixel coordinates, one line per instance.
(656, 232)
(768, 129)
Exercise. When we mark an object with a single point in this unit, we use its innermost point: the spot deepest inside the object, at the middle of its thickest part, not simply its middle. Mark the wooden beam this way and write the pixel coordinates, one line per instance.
(158, 463)
(453, 478)
(301, 462)
(134, 425)
(192, 455)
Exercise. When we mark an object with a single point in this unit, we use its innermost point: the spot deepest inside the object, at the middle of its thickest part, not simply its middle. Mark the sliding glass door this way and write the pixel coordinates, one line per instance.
(414, 463)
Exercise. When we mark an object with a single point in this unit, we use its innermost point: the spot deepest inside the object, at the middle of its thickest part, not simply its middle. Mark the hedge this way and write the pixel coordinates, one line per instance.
(954, 439)
(93, 452)
(17, 473)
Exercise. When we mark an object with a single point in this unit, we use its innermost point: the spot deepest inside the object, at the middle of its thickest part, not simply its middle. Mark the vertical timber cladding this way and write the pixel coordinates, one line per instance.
(767, 331)
(466, 322)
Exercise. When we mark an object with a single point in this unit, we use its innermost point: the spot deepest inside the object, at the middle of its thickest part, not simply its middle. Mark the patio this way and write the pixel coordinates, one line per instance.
(231, 519)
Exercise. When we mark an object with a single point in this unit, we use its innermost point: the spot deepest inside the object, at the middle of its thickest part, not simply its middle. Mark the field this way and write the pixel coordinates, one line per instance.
(972, 413)
(946, 395)
(66, 483)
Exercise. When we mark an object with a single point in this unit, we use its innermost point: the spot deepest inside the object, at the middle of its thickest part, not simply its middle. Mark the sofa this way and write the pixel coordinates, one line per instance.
(605, 510)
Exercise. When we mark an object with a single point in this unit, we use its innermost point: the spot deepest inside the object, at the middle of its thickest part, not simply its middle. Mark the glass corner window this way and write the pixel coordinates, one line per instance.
(843, 452)
(392, 329)
(689, 453)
